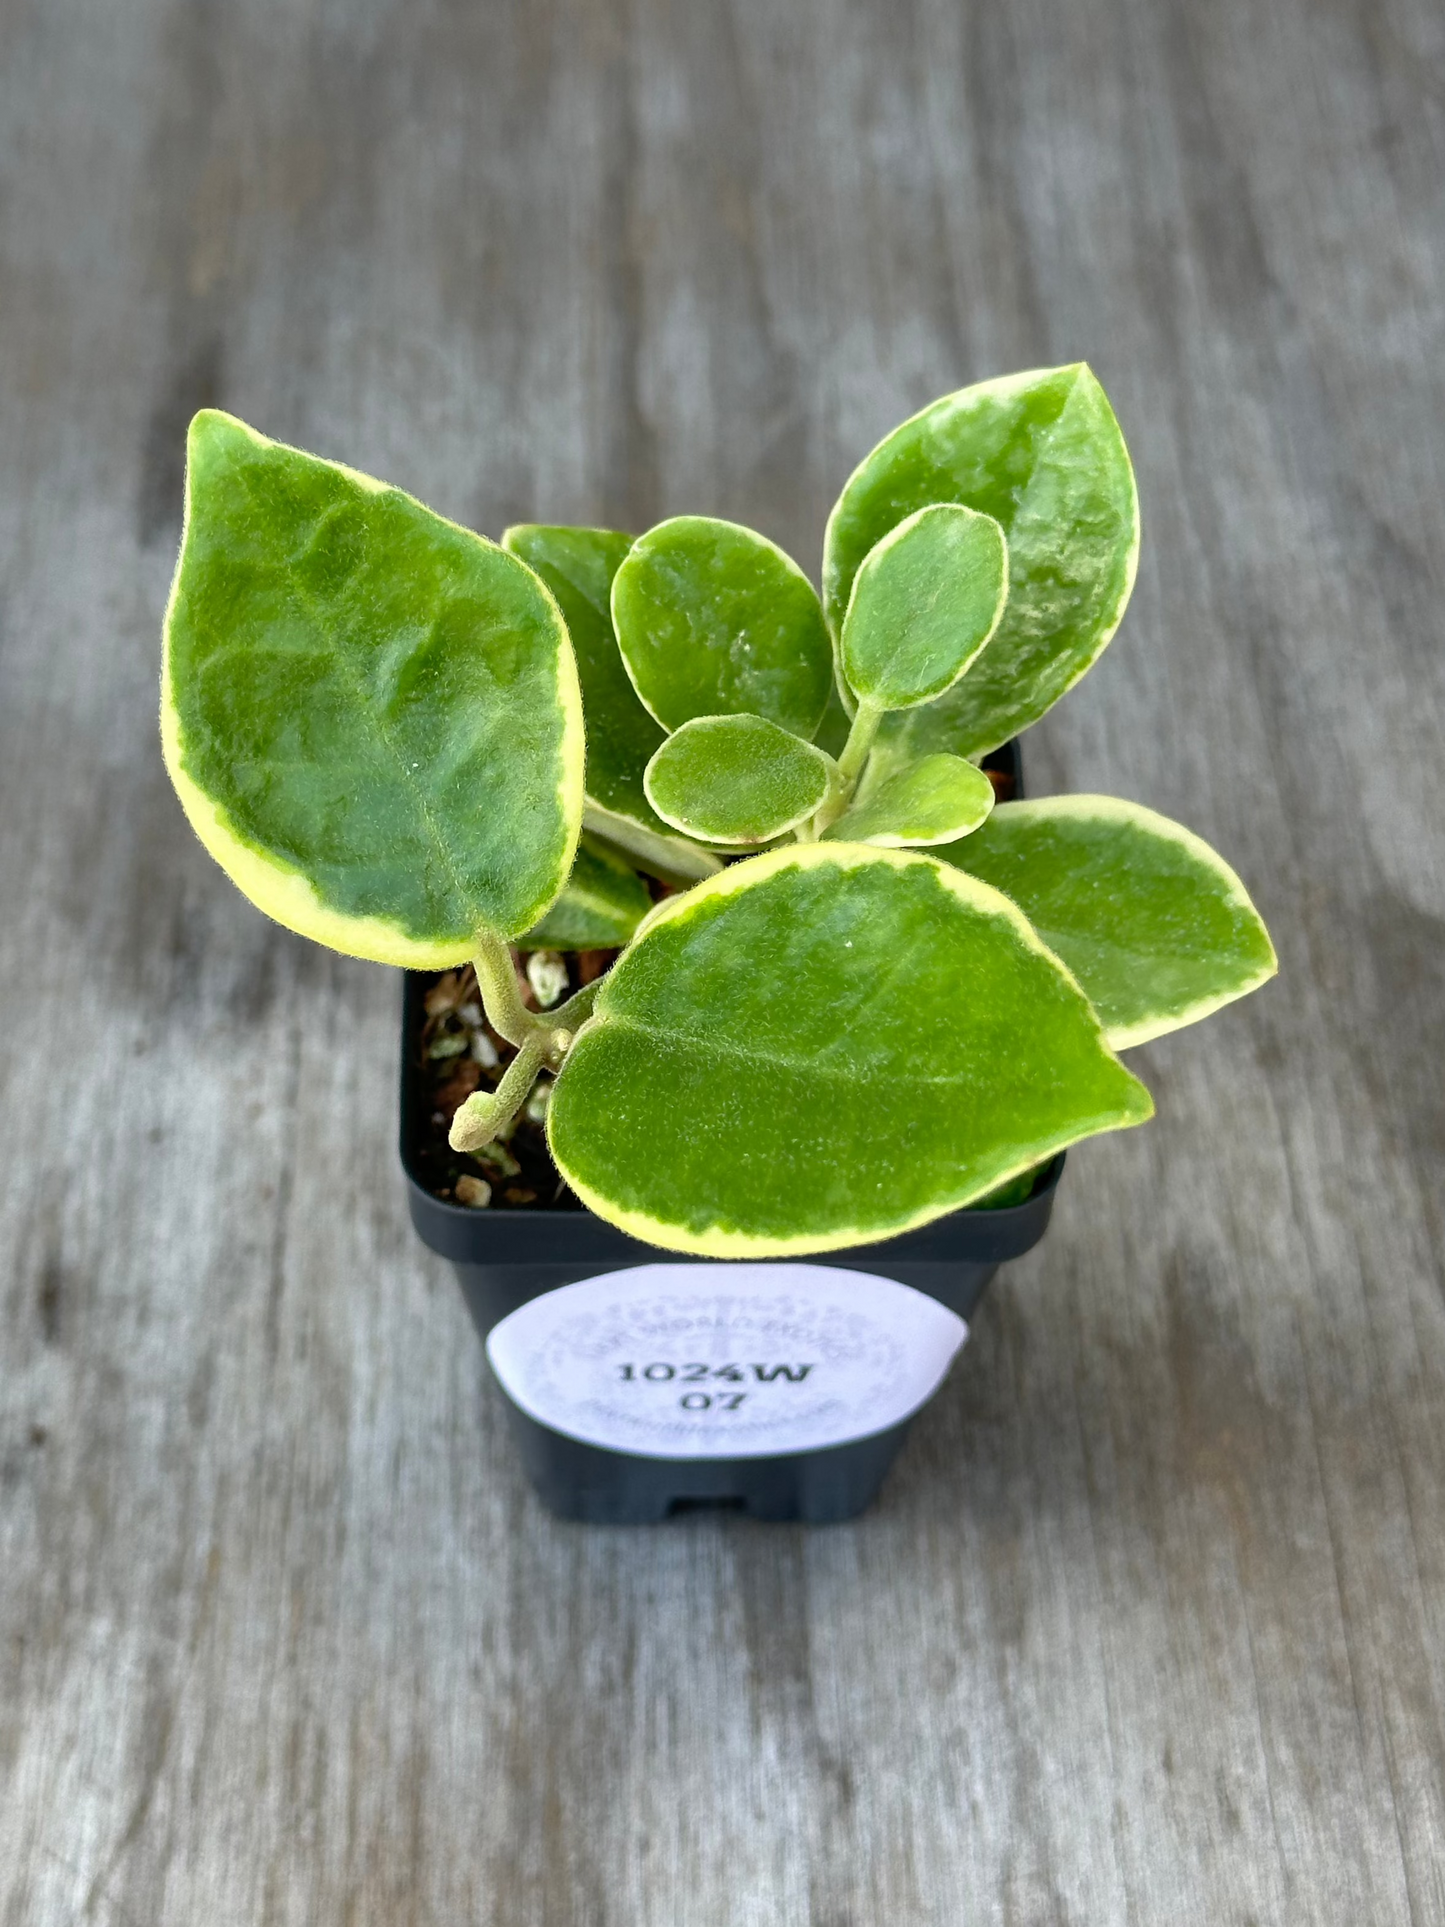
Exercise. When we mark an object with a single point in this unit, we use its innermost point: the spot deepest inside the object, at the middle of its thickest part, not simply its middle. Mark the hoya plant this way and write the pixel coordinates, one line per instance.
(853, 993)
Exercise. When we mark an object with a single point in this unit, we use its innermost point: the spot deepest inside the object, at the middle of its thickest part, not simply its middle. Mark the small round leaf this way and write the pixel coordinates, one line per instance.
(736, 779)
(933, 800)
(714, 620)
(924, 603)
(1042, 454)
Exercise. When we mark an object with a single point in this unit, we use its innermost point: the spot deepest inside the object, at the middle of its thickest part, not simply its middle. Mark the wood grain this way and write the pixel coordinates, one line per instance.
(1150, 1624)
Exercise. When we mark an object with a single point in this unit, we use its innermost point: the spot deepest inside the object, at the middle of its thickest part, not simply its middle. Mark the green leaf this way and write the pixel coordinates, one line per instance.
(602, 905)
(714, 620)
(578, 566)
(1042, 454)
(930, 801)
(736, 779)
(1156, 927)
(371, 715)
(824, 1046)
(925, 601)
(1016, 1191)
(676, 859)
(832, 732)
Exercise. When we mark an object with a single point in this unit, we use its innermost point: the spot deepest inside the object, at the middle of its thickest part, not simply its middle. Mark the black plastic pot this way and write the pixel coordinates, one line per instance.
(506, 1258)
(503, 1259)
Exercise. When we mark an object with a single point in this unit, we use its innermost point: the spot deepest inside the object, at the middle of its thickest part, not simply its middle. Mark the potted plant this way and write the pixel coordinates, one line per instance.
(723, 1207)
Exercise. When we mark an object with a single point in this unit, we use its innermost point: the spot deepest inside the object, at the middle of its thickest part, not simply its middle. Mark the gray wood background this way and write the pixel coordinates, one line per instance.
(1148, 1625)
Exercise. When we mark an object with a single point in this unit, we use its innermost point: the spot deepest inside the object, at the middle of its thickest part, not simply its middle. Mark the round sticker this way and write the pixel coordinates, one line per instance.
(686, 1361)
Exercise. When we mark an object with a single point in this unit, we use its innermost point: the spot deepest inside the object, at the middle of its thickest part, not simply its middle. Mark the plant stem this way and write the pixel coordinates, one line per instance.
(485, 1113)
(542, 1043)
(501, 993)
(671, 859)
(577, 1009)
(508, 1014)
(850, 764)
(860, 741)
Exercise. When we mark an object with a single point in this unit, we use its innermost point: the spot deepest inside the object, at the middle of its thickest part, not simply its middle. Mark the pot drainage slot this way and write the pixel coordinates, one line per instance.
(733, 1502)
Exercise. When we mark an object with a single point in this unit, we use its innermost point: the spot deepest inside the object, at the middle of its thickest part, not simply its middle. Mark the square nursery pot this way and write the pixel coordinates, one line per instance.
(640, 1384)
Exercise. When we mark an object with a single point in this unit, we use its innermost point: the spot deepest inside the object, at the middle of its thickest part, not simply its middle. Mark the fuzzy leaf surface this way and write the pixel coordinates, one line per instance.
(602, 905)
(578, 566)
(924, 602)
(714, 620)
(824, 1046)
(1154, 924)
(371, 715)
(1042, 454)
(933, 800)
(832, 733)
(736, 779)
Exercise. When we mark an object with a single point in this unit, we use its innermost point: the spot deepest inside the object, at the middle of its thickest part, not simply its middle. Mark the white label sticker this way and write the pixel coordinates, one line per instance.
(725, 1361)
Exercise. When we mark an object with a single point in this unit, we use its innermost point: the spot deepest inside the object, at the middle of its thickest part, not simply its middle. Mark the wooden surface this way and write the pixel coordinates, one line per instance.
(1148, 1625)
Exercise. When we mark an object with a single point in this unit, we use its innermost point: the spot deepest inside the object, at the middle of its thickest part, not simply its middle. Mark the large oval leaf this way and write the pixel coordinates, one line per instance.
(1156, 927)
(371, 715)
(822, 1047)
(603, 904)
(737, 779)
(1042, 454)
(714, 620)
(933, 800)
(925, 601)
